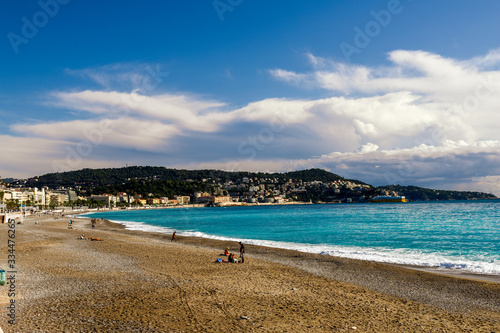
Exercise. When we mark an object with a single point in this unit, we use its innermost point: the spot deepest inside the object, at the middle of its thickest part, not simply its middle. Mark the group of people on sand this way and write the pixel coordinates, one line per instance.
(230, 256)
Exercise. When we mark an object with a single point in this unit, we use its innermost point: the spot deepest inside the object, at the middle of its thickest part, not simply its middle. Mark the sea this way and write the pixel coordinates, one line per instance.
(463, 236)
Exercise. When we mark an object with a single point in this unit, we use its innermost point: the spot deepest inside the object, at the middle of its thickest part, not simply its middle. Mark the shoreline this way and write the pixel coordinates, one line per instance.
(141, 281)
(453, 273)
(495, 278)
(270, 254)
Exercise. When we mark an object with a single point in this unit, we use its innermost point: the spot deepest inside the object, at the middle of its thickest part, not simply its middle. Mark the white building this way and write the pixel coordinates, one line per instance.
(108, 200)
(183, 200)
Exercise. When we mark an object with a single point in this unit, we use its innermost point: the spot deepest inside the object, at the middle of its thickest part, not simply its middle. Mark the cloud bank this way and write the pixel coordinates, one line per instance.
(423, 119)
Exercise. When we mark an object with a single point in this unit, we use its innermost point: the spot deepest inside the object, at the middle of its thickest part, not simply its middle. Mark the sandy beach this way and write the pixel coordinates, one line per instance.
(142, 282)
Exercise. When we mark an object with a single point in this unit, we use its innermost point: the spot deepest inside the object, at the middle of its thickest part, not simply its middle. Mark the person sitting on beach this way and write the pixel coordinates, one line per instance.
(230, 257)
(226, 251)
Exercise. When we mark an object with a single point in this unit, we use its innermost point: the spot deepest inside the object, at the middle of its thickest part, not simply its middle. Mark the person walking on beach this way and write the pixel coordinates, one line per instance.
(174, 237)
(242, 251)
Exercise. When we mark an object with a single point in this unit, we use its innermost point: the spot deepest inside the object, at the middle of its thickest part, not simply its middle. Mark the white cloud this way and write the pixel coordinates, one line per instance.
(368, 148)
(288, 111)
(121, 132)
(186, 111)
(288, 76)
(437, 79)
(492, 59)
(142, 77)
(26, 156)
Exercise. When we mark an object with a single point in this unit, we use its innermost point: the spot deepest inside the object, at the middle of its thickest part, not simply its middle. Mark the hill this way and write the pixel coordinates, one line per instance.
(415, 193)
(114, 176)
(303, 185)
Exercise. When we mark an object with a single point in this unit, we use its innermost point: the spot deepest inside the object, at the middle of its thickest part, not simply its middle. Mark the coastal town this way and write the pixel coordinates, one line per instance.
(243, 191)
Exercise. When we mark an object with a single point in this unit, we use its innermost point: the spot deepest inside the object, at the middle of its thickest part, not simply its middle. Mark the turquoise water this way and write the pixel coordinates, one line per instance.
(461, 235)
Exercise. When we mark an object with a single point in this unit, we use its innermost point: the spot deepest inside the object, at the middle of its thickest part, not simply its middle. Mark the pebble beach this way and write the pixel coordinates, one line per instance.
(133, 281)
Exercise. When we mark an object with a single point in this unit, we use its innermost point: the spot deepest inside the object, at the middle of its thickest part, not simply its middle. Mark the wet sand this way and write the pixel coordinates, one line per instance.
(142, 282)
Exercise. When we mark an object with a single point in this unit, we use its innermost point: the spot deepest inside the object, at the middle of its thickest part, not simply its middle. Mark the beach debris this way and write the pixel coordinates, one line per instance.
(354, 328)
(245, 317)
(294, 289)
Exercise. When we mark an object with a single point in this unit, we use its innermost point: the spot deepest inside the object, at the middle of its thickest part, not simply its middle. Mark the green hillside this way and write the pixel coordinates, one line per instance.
(415, 193)
(114, 176)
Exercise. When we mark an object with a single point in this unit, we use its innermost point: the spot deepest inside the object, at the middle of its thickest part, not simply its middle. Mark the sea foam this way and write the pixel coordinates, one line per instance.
(383, 255)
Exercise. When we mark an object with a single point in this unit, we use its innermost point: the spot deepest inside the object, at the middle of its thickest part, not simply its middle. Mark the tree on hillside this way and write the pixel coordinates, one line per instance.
(13, 204)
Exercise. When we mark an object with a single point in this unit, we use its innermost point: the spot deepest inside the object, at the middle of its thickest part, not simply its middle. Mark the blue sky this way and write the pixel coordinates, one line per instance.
(386, 92)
